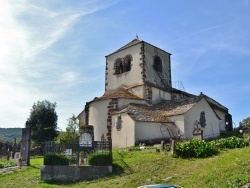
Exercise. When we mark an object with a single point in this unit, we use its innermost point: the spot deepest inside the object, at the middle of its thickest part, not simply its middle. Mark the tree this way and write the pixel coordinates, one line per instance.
(245, 123)
(43, 121)
(72, 131)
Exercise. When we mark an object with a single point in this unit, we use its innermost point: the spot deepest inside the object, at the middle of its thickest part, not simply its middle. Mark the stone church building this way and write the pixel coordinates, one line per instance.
(140, 105)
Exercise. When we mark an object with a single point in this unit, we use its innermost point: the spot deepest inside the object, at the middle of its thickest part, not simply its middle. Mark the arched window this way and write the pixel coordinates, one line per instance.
(202, 119)
(123, 65)
(157, 64)
(119, 123)
(118, 66)
(127, 63)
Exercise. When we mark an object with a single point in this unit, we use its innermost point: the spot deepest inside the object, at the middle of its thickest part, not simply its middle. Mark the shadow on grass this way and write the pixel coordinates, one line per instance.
(122, 165)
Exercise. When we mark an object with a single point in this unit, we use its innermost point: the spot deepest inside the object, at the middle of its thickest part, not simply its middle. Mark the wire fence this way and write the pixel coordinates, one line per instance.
(77, 154)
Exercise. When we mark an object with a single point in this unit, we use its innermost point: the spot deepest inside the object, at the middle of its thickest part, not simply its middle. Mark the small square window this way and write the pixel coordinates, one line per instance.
(119, 123)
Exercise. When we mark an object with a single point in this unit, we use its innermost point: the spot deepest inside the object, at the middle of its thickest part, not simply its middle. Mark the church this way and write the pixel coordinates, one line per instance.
(140, 104)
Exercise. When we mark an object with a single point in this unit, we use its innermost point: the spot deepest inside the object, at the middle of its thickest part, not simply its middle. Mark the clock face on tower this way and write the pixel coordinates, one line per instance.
(85, 140)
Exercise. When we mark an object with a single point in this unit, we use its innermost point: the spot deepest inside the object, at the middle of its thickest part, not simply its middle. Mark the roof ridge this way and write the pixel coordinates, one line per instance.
(131, 43)
(119, 92)
(211, 100)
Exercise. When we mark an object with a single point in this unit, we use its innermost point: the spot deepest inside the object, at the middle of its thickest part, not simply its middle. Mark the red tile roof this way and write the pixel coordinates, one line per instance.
(158, 112)
(120, 92)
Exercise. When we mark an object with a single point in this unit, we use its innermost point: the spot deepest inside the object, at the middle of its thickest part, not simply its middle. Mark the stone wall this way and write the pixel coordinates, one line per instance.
(67, 173)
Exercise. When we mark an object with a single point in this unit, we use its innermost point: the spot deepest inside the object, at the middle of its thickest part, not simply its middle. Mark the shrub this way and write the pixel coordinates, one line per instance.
(230, 134)
(200, 148)
(99, 159)
(232, 142)
(73, 160)
(196, 148)
(55, 159)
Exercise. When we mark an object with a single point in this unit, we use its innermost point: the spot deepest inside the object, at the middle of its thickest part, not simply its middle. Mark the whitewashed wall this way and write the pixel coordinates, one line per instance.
(81, 117)
(123, 102)
(179, 123)
(128, 78)
(98, 118)
(151, 74)
(138, 90)
(222, 121)
(126, 136)
(98, 111)
(151, 130)
(211, 129)
(158, 95)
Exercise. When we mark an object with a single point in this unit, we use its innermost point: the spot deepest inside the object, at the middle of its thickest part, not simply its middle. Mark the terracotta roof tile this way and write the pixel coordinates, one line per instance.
(158, 112)
(120, 92)
(213, 103)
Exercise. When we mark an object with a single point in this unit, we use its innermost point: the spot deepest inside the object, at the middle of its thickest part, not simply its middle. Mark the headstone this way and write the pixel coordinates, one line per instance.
(25, 146)
(87, 137)
(4, 150)
(17, 156)
(14, 148)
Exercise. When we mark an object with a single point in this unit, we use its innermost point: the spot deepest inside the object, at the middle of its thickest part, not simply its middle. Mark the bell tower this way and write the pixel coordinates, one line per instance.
(123, 66)
(138, 62)
(157, 69)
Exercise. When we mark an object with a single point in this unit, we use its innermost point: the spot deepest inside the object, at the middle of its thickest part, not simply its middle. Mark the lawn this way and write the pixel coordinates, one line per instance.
(231, 168)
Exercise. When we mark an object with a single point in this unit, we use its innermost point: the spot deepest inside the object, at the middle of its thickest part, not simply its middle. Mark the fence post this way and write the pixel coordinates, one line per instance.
(162, 146)
(173, 147)
(78, 154)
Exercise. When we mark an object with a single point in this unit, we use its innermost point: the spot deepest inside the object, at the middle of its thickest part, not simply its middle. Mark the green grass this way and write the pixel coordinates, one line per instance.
(6, 163)
(229, 169)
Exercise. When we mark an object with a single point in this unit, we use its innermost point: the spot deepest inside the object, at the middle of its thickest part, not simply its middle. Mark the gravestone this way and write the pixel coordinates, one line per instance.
(86, 138)
(197, 131)
(25, 146)
(14, 149)
(17, 156)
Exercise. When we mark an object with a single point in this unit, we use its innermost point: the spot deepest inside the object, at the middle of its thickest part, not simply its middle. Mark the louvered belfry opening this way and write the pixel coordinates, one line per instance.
(157, 64)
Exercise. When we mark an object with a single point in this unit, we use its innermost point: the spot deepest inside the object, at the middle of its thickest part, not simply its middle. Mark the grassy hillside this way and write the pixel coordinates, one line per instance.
(230, 169)
(9, 134)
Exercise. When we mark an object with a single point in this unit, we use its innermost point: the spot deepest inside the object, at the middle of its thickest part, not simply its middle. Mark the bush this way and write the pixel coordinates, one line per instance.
(73, 160)
(55, 159)
(196, 148)
(232, 142)
(99, 159)
(200, 148)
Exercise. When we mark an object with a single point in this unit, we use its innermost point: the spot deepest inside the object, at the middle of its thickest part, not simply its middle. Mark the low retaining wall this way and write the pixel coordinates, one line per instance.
(72, 173)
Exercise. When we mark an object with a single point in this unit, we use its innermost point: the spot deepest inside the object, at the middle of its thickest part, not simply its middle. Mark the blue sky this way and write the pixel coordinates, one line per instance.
(55, 50)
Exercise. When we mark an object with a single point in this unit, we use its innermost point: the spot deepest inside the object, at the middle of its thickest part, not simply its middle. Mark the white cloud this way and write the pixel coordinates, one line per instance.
(30, 68)
(69, 77)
